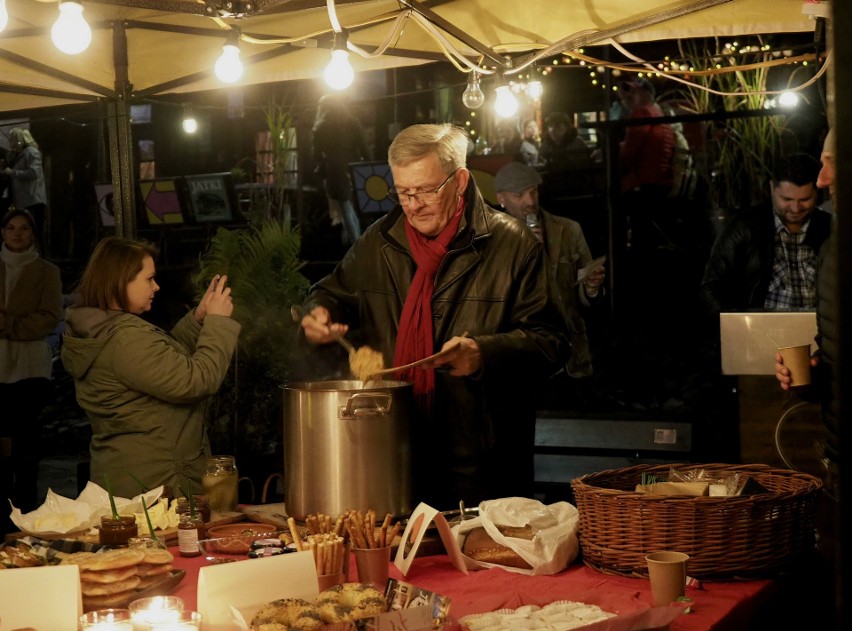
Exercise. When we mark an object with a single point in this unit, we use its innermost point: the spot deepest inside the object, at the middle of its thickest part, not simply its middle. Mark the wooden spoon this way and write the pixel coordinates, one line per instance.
(419, 362)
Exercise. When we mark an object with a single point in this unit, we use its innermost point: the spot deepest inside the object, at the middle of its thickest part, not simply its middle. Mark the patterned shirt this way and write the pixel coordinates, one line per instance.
(793, 282)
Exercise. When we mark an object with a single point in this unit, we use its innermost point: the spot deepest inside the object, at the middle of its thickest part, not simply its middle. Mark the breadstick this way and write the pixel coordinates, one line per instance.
(297, 539)
(338, 525)
(397, 527)
(321, 557)
(385, 525)
(337, 566)
(370, 528)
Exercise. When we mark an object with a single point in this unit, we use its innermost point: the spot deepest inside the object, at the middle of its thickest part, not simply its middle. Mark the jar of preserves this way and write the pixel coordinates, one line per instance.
(202, 505)
(190, 531)
(115, 531)
(220, 483)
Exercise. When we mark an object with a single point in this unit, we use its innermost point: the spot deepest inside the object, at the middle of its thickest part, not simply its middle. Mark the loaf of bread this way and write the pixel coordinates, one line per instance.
(479, 546)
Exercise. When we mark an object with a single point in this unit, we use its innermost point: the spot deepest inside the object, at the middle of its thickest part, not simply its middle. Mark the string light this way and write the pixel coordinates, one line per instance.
(228, 67)
(339, 74)
(534, 90)
(70, 33)
(473, 97)
(4, 15)
(505, 104)
(189, 124)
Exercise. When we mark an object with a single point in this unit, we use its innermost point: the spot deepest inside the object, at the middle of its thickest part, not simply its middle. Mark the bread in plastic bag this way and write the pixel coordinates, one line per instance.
(554, 543)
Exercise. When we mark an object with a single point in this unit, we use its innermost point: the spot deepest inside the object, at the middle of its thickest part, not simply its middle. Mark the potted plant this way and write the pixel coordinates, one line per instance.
(263, 267)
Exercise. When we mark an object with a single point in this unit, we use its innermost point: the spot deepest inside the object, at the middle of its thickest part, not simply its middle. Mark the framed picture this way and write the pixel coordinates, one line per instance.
(106, 205)
(371, 181)
(212, 198)
(160, 203)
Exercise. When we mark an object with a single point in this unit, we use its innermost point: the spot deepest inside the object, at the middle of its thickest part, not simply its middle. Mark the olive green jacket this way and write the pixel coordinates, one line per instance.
(144, 392)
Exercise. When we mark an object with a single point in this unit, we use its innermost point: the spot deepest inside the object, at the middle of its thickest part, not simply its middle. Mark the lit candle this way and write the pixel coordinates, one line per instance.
(157, 610)
(184, 621)
(106, 620)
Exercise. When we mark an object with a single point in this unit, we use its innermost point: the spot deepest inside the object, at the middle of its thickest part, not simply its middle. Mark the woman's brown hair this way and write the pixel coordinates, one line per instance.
(114, 263)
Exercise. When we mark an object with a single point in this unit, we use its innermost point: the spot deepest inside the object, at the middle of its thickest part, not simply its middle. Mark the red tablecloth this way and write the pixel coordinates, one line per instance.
(716, 605)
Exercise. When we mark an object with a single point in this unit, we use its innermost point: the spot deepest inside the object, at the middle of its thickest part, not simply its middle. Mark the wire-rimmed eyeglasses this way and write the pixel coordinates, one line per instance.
(423, 197)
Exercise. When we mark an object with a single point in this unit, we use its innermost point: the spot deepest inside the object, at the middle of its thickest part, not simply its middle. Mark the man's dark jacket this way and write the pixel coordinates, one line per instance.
(739, 269)
(493, 284)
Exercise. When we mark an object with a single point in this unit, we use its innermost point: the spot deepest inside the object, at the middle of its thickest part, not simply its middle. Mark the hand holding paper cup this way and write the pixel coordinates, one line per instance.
(797, 359)
(667, 571)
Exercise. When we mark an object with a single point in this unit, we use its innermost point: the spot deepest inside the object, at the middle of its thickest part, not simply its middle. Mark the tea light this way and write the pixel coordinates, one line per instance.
(155, 610)
(106, 620)
(183, 621)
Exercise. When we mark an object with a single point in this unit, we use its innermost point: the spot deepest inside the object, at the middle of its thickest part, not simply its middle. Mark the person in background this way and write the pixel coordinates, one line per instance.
(337, 141)
(646, 151)
(516, 186)
(824, 361)
(27, 176)
(767, 257)
(562, 149)
(30, 309)
(144, 389)
(508, 140)
(825, 389)
(442, 270)
(530, 143)
(5, 187)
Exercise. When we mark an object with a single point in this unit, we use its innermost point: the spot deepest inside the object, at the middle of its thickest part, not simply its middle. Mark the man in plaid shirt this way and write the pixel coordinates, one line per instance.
(767, 259)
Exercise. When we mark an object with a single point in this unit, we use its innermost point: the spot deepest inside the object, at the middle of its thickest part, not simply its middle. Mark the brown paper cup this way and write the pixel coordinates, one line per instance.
(324, 581)
(372, 565)
(667, 571)
(798, 360)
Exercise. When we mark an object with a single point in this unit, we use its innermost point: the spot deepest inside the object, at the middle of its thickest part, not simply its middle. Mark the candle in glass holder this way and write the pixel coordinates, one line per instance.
(106, 620)
(156, 610)
(185, 621)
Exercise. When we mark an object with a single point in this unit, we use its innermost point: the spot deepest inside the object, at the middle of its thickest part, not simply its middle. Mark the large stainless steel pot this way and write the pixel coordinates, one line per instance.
(346, 446)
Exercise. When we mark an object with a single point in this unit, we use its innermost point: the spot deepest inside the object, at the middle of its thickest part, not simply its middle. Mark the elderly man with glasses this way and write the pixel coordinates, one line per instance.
(442, 271)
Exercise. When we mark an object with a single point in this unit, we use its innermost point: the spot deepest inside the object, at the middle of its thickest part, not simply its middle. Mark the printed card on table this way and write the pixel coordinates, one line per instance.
(419, 521)
(25, 591)
(231, 593)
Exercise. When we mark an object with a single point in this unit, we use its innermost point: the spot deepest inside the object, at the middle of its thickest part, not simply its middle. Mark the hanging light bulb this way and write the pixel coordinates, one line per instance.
(788, 98)
(228, 67)
(4, 15)
(473, 96)
(534, 90)
(506, 103)
(189, 124)
(70, 33)
(339, 74)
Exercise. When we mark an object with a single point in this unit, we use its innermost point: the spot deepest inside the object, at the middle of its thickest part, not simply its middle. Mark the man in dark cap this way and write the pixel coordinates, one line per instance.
(516, 186)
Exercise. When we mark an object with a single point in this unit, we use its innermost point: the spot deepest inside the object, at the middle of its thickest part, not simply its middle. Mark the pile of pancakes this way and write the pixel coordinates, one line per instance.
(113, 577)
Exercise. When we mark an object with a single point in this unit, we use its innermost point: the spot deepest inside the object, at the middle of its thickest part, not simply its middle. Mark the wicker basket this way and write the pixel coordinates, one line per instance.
(746, 536)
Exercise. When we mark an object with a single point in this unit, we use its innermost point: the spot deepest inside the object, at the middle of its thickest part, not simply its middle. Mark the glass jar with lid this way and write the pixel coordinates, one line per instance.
(220, 483)
(202, 505)
(115, 531)
(190, 531)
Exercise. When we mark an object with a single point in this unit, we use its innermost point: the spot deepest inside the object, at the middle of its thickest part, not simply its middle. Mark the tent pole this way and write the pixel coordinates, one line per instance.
(121, 138)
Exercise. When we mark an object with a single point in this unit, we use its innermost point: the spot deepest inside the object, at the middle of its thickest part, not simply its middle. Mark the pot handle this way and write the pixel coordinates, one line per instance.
(374, 404)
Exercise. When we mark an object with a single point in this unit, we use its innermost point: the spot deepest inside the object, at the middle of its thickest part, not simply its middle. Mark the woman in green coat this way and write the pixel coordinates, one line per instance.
(142, 388)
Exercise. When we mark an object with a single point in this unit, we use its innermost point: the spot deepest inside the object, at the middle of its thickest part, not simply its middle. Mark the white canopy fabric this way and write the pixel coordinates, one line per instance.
(172, 45)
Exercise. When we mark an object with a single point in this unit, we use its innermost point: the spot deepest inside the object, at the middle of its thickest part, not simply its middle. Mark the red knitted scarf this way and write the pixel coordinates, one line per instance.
(415, 337)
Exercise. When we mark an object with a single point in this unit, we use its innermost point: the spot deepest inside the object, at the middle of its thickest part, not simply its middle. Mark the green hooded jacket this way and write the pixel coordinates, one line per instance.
(144, 392)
